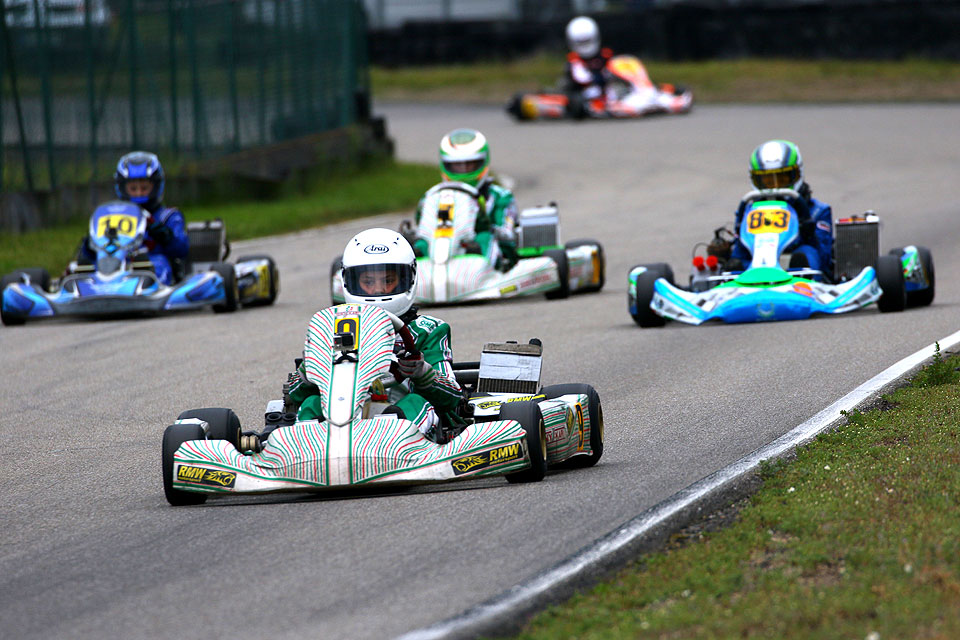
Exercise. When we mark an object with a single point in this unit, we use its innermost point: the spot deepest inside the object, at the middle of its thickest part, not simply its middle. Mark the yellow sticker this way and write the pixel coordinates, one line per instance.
(124, 224)
(768, 220)
(351, 325)
(443, 232)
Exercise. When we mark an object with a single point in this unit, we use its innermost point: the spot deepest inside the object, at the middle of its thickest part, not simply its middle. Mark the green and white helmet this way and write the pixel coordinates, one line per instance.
(776, 164)
(464, 156)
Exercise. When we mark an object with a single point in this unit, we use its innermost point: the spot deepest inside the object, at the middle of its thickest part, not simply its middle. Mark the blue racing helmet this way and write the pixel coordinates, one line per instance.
(138, 165)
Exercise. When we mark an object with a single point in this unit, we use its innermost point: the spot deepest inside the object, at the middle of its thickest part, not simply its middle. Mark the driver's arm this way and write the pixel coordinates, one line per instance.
(440, 388)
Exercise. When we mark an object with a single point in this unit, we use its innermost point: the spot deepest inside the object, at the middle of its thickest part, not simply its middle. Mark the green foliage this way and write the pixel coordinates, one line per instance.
(940, 371)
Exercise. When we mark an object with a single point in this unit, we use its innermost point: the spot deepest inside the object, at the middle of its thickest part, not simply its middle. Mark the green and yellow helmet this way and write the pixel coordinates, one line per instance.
(776, 164)
(464, 156)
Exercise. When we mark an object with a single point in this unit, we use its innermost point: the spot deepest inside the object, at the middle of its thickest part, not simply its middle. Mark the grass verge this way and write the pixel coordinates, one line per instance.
(857, 538)
(712, 81)
(380, 188)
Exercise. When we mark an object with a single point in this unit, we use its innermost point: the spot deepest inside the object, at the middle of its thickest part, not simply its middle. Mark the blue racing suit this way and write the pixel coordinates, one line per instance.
(815, 242)
(166, 241)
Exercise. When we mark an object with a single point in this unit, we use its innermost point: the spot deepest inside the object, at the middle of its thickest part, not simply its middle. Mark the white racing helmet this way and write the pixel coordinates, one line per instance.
(583, 37)
(380, 268)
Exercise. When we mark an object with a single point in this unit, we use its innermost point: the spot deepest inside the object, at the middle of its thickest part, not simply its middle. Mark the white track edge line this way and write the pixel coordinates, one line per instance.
(516, 597)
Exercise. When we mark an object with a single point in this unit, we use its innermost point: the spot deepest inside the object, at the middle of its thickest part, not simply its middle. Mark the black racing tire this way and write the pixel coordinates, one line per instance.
(602, 259)
(274, 290)
(645, 317)
(9, 319)
(576, 106)
(595, 412)
(527, 413)
(223, 423)
(39, 277)
(173, 437)
(563, 271)
(921, 297)
(229, 275)
(798, 261)
(892, 284)
(335, 267)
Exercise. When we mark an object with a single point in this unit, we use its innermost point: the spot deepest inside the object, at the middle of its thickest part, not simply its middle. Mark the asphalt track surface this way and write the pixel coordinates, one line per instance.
(89, 547)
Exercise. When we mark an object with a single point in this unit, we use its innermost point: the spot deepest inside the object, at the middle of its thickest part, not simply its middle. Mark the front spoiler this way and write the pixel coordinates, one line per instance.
(795, 300)
(315, 456)
(30, 302)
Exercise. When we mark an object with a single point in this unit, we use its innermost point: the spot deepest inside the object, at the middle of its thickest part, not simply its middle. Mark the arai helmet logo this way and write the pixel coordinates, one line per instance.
(376, 248)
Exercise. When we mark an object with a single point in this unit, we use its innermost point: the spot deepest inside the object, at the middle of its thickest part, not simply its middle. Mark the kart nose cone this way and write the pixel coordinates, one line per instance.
(764, 307)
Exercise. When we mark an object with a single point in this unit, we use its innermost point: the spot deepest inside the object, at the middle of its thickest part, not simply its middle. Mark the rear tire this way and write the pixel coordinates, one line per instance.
(527, 413)
(921, 297)
(563, 271)
(174, 436)
(229, 275)
(274, 280)
(892, 284)
(645, 317)
(39, 277)
(595, 412)
(223, 424)
(601, 258)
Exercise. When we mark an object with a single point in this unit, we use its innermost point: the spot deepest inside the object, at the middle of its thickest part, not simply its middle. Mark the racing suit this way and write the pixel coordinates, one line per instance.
(497, 219)
(588, 76)
(816, 236)
(166, 241)
(425, 401)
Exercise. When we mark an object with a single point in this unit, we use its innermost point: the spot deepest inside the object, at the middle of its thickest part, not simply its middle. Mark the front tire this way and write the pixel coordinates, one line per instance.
(595, 412)
(527, 413)
(892, 284)
(643, 294)
(563, 271)
(335, 268)
(601, 260)
(232, 296)
(174, 436)
(223, 424)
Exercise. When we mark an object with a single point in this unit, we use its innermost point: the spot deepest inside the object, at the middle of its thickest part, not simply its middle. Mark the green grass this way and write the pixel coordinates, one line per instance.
(859, 537)
(714, 81)
(381, 188)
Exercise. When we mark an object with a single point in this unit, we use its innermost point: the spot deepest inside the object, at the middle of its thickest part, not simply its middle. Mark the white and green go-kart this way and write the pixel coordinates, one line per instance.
(453, 272)
(507, 424)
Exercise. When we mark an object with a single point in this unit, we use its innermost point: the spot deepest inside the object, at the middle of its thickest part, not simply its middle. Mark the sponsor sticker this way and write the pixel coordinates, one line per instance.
(200, 475)
(508, 289)
(376, 249)
(803, 289)
(491, 404)
(494, 457)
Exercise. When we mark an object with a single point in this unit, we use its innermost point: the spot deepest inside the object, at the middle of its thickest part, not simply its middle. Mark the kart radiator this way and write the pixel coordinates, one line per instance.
(857, 245)
(207, 242)
(509, 368)
(539, 227)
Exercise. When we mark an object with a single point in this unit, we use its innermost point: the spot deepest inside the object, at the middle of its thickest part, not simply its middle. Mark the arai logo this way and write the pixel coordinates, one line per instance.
(376, 248)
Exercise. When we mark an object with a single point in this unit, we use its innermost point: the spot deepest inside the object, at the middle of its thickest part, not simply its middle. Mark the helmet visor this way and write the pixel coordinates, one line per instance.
(782, 178)
(455, 168)
(378, 280)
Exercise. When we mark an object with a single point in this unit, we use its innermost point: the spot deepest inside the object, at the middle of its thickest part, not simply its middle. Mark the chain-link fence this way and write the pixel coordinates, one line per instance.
(84, 81)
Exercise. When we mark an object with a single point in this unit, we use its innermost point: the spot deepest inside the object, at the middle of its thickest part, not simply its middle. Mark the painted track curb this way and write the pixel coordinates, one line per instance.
(504, 614)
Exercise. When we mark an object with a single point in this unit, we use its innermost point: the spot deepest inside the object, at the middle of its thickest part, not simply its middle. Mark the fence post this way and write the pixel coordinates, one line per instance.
(134, 67)
(91, 93)
(232, 62)
(12, 70)
(41, 31)
(172, 44)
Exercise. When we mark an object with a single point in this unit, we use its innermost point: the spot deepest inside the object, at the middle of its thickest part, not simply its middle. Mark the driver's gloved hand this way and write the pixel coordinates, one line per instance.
(471, 246)
(413, 366)
(161, 233)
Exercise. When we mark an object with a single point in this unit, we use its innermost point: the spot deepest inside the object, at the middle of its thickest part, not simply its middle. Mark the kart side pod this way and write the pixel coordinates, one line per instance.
(510, 367)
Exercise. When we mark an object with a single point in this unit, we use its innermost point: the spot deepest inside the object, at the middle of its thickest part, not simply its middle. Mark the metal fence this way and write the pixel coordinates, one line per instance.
(86, 80)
